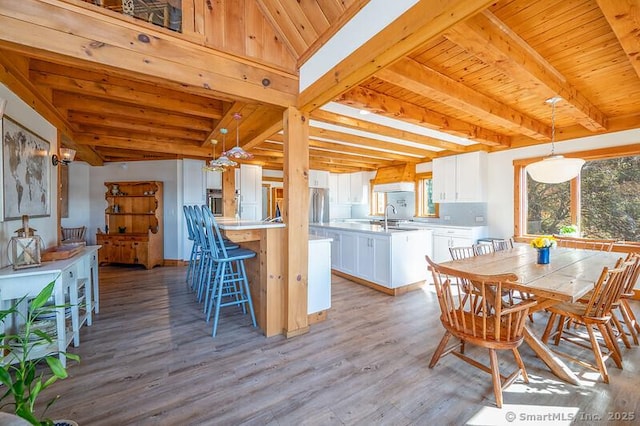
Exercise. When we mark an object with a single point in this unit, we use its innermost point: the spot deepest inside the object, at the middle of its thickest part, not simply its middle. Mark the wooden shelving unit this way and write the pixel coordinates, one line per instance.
(133, 219)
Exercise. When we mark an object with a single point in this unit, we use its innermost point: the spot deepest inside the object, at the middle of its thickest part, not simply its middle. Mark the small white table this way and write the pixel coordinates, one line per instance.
(70, 275)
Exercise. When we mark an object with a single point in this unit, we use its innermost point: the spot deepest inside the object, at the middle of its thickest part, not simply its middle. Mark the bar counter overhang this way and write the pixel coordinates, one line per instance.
(266, 271)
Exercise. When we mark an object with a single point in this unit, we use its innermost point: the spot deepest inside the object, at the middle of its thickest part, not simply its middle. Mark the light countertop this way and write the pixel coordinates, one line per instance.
(233, 224)
(366, 227)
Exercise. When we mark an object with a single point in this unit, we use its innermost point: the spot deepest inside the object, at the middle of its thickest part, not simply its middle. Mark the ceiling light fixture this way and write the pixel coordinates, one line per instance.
(237, 152)
(220, 164)
(554, 168)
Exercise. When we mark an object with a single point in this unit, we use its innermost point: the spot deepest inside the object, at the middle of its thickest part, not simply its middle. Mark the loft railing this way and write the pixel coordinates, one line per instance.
(164, 13)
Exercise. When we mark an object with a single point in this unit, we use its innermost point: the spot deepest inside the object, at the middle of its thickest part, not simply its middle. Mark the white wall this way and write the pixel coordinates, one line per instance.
(46, 227)
(79, 200)
(167, 171)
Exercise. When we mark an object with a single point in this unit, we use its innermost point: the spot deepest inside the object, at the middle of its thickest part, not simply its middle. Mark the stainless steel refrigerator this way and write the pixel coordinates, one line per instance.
(318, 205)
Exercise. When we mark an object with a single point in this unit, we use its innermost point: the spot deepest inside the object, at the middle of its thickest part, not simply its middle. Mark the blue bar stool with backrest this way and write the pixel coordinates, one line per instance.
(230, 285)
(192, 238)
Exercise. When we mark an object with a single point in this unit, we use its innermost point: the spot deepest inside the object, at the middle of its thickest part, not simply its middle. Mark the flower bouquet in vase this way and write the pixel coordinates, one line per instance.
(543, 244)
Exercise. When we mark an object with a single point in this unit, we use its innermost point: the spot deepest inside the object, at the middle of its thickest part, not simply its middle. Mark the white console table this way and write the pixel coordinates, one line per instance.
(74, 275)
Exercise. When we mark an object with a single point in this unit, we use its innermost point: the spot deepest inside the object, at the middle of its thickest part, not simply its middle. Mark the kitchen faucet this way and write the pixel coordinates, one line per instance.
(386, 215)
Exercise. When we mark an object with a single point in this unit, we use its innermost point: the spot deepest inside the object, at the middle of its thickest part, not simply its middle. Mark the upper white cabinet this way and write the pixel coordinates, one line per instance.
(344, 188)
(318, 179)
(213, 179)
(250, 192)
(333, 188)
(460, 178)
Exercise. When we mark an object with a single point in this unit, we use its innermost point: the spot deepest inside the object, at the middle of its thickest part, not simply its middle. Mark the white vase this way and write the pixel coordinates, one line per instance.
(115, 190)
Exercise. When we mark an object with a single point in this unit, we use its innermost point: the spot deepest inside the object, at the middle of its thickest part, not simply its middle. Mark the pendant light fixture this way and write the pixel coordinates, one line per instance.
(237, 151)
(554, 168)
(221, 163)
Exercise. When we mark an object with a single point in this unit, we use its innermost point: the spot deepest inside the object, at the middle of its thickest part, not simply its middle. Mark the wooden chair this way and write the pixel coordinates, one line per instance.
(502, 245)
(458, 253)
(595, 315)
(624, 312)
(494, 326)
(585, 243)
(73, 235)
(482, 248)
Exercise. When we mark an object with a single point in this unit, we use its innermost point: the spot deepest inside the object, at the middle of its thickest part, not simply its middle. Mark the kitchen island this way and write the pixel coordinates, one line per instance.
(266, 271)
(391, 261)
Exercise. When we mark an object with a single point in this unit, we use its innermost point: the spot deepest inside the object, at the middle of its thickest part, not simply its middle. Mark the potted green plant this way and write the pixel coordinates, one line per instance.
(31, 341)
(569, 230)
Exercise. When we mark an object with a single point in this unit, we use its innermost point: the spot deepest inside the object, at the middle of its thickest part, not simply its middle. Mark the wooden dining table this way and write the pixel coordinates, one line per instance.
(569, 275)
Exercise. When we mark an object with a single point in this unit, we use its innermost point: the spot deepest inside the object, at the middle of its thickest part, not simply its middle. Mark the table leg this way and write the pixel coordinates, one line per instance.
(556, 365)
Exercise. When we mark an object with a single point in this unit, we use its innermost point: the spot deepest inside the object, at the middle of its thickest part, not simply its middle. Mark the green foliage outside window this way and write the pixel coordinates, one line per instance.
(609, 201)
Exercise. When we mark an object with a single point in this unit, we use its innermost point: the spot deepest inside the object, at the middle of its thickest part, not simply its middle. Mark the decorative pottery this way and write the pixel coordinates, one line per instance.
(543, 255)
(115, 189)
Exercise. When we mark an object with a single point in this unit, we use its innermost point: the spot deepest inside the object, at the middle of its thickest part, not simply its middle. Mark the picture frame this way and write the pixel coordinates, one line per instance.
(26, 172)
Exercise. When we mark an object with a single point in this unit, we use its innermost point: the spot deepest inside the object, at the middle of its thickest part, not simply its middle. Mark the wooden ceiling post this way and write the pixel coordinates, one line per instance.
(295, 215)
(229, 192)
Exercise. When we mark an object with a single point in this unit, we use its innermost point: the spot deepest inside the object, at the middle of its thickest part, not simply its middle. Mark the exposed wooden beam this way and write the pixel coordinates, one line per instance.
(143, 144)
(490, 40)
(333, 135)
(135, 95)
(625, 23)
(116, 133)
(19, 83)
(392, 132)
(359, 150)
(394, 108)
(80, 103)
(275, 150)
(429, 83)
(83, 34)
(226, 120)
(398, 39)
(264, 134)
(133, 125)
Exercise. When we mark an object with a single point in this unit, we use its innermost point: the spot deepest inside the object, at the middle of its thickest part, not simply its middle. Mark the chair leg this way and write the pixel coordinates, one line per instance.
(516, 355)
(559, 329)
(547, 330)
(621, 332)
(629, 320)
(248, 293)
(440, 349)
(598, 354)
(611, 343)
(495, 375)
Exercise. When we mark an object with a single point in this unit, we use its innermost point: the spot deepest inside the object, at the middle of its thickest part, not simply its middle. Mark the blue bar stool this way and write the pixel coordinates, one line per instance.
(230, 285)
(195, 250)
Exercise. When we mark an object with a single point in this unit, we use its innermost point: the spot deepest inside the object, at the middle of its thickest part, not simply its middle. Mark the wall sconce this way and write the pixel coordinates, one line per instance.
(66, 156)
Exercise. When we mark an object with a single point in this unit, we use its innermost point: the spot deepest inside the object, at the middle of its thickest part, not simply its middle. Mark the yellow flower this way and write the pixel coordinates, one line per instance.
(543, 241)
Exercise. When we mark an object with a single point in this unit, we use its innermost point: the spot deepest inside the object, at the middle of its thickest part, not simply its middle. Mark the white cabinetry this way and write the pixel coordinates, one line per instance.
(460, 178)
(348, 252)
(319, 288)
(250, 192)
(358, 188)
(318, 179)
(336, 250)
(344, 188)
(333, 188)
(373, 258)
(443, 238)
(214, 180)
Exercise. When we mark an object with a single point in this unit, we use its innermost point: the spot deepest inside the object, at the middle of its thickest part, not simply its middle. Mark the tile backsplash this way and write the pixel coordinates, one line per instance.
(461, 214)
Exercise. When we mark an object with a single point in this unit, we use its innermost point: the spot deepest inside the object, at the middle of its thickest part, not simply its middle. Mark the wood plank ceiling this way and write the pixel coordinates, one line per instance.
(484, 80)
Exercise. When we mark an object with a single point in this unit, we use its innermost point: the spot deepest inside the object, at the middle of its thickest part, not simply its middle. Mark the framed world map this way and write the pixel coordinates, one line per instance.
(25, 172)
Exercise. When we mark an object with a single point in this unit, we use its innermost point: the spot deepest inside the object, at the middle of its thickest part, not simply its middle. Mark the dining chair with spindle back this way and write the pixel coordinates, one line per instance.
(458, 253)
(495, 326)
(482, 249)
(595, 315)
(585, 243)
(502, 245)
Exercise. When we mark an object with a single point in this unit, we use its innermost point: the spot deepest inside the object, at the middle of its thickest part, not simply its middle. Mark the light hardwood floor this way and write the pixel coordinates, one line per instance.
(149, 359)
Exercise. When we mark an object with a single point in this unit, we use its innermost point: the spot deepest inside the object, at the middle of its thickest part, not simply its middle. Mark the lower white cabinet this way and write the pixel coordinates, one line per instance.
(443, 238)
(319, 288)
(348, 252)
(373, 262)
(391, 259)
